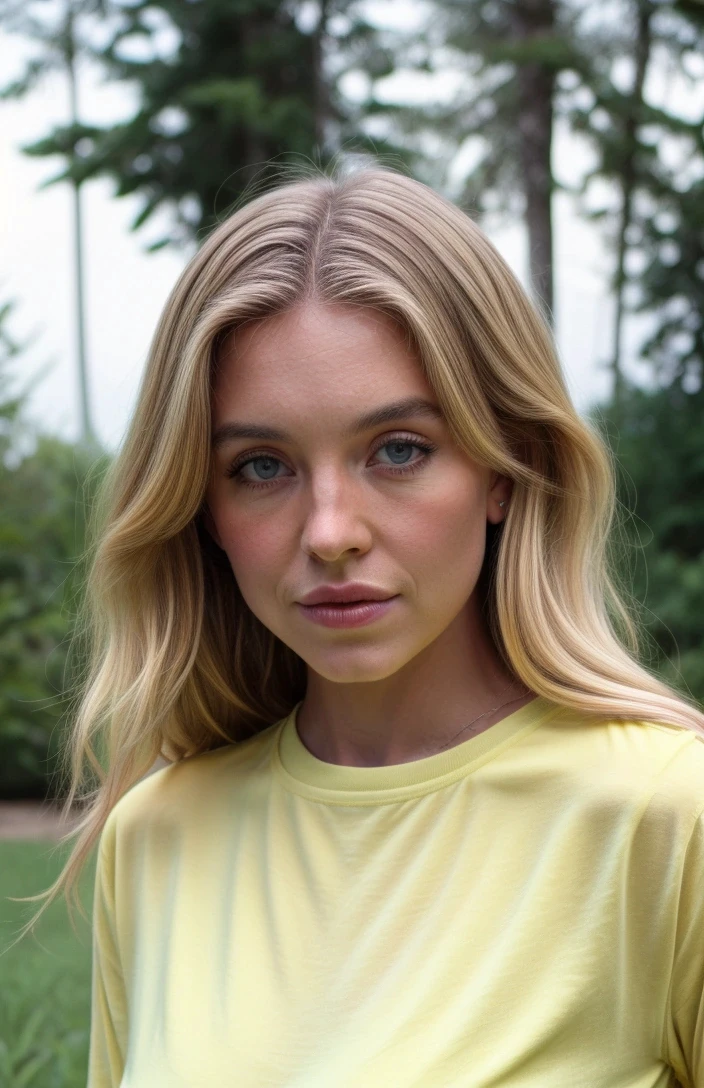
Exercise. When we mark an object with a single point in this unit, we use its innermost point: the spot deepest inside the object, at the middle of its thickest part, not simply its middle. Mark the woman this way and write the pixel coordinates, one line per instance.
(450, 836)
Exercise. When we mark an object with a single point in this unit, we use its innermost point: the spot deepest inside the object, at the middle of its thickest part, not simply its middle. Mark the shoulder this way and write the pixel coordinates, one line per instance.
(192, 787)
(656, 765)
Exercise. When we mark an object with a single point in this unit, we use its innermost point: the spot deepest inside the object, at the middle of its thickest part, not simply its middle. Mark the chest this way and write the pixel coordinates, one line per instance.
(426, 952)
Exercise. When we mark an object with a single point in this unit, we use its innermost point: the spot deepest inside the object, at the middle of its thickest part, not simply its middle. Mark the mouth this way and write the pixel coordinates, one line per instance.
(348, 613)
(347, 604)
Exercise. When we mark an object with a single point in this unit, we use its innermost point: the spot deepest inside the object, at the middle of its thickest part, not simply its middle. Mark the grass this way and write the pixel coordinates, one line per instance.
(45, 978)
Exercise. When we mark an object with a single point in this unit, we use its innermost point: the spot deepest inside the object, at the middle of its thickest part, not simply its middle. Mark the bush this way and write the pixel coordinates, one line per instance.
(658, 441)
(43, 497)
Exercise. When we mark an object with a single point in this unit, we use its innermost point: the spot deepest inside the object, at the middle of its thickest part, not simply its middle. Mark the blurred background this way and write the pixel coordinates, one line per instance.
(571, 131)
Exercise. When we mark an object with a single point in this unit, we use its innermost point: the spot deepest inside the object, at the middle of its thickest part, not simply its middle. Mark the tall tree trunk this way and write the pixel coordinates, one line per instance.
(320, 104)
(628, 184)
(87, 435)
(536, 82)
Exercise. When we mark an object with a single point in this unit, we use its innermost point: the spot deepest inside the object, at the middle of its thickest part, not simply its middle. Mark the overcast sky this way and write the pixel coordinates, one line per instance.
(126, 287)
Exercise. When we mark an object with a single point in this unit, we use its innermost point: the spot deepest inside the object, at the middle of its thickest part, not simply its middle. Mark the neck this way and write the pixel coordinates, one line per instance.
(418, 710)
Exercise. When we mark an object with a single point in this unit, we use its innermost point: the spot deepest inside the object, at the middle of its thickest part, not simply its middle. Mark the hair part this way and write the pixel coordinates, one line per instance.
(178, 663)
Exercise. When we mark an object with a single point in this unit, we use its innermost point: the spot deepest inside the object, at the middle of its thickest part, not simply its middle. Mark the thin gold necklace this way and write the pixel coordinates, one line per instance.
(507, 703)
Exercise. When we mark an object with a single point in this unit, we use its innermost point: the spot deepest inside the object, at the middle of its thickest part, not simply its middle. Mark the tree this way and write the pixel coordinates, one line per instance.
(658, 441)
(60, 46)
(670, 228)
(246, 85)
(509, 55)
(657, 235)
(657, 230)
(525, 65)
(45, 484)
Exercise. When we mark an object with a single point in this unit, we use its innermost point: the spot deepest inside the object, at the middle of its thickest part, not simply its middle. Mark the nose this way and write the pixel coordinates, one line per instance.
(336, 520)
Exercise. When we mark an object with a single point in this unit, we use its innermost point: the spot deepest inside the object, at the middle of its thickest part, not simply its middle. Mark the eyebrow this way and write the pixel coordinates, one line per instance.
(386, 413)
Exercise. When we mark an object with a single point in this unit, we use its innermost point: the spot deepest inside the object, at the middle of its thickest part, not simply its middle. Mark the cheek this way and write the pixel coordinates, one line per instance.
(254, 546)
(448, 524)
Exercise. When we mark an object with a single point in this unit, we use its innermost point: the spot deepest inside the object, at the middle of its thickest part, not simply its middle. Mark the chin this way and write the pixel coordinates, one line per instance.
(355, 664)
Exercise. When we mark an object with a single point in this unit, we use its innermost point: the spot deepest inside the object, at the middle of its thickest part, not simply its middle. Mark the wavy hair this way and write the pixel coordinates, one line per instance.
(178, 662)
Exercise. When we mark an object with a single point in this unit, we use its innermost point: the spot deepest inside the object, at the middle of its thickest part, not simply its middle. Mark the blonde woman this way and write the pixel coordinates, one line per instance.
(427, 821)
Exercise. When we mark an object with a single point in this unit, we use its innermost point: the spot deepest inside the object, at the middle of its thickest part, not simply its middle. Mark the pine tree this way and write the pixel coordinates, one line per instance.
(657, 233)
(655, 160)
(45, 487)
(247, 86)
(509, 55)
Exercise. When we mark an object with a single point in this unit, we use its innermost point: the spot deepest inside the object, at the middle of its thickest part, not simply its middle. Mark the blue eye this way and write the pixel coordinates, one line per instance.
(235, 470)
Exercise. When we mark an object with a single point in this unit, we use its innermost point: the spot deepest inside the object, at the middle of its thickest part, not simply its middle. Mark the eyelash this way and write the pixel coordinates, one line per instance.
(406, 470)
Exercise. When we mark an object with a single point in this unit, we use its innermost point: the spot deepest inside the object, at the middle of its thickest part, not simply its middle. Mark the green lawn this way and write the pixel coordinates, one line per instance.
(45, 978)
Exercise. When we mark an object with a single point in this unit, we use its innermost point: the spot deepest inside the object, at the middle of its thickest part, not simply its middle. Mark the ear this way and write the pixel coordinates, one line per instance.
(499, 492)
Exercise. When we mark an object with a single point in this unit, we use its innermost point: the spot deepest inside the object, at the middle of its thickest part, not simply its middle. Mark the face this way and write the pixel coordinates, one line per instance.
(397, 505)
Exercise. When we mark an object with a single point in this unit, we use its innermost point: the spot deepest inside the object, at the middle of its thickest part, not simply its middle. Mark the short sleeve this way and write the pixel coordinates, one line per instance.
(108, 1027)
(684, 1027)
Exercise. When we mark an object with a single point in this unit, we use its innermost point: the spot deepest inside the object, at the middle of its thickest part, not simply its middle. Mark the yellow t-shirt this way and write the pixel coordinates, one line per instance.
(524, 910)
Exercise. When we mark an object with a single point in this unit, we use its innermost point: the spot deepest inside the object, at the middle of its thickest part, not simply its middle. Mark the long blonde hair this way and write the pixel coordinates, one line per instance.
(179, 664)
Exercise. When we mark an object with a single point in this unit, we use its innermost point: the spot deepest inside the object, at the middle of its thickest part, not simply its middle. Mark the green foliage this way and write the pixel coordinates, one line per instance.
(489, 42)
(41, 539)
(46, 485)
(671, 285)
(240, 90)
(10, 403)
(658, 441)
(656, 158)
(45, 992)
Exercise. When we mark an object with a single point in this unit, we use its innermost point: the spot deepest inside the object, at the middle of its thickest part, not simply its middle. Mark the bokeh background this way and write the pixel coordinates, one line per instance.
(571, 131)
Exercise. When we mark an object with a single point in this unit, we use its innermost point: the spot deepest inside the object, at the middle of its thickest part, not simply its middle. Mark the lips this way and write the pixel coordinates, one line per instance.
(349, 614)
(338, 604)
(352, 593)
(346, 604)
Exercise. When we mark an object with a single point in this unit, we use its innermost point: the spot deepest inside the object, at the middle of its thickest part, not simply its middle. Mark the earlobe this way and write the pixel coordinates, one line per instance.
(494, 516)
(499, 502)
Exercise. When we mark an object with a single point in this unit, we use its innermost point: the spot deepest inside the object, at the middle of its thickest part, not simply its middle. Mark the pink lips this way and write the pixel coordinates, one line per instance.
(355, 614)
(350, 592)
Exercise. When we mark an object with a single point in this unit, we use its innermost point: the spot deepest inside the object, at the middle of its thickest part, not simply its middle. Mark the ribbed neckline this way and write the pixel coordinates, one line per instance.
(303, 773)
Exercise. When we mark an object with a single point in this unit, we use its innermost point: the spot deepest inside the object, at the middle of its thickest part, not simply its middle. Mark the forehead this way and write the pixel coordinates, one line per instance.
(323, 353)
